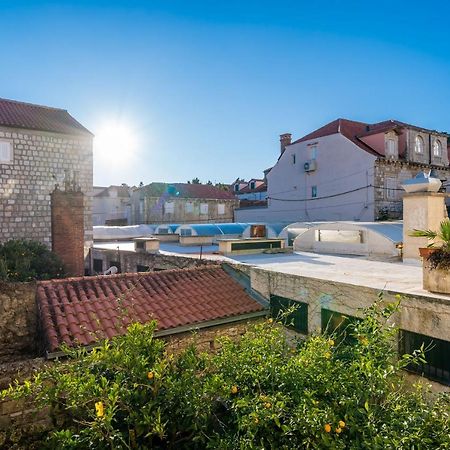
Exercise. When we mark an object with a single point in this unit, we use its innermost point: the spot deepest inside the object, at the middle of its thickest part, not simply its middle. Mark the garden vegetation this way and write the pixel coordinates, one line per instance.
(257, 393)
(27, 260)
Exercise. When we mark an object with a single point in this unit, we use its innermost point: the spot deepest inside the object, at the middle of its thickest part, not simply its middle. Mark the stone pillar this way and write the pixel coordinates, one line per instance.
(68, 229)
(421, 211)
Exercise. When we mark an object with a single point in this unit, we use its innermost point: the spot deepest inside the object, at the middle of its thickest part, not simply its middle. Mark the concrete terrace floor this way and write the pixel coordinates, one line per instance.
(391, 276)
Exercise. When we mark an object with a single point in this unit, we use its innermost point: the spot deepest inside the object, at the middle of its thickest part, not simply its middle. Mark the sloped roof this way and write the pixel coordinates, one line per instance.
(36, 117)
(353, 131)
(81, 311)
(348, 128)
(122, 191)
(261, 188)
(187, 190)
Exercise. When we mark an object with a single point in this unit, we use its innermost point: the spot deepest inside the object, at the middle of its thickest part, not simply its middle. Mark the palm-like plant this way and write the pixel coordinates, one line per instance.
(443, 235)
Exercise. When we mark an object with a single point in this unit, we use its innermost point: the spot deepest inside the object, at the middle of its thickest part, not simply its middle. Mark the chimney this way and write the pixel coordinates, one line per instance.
(285, 139)
(67, 209)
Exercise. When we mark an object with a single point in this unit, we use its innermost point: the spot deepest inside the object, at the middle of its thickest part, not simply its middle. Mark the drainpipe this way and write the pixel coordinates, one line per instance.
(429, 148)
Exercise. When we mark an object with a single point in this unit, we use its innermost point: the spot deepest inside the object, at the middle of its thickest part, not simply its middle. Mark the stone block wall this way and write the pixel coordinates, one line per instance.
(18, 320)
(40, 161)
(390, 174)
(185, 210)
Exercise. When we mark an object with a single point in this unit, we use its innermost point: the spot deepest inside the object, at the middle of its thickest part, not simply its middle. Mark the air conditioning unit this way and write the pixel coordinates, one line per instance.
(310, 166)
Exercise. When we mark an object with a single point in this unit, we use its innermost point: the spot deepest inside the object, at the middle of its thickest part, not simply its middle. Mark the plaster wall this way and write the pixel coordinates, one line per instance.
(341, 166)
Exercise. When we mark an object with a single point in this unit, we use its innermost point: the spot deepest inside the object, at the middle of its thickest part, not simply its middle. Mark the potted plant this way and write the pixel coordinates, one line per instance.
(436, 258)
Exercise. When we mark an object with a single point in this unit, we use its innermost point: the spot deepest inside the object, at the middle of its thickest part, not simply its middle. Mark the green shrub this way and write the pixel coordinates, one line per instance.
(26, 260)
(257, 393)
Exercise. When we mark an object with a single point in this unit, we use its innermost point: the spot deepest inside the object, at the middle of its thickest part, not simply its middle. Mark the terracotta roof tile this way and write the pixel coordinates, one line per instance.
(79, 311)
(187, 190)
(36, 117)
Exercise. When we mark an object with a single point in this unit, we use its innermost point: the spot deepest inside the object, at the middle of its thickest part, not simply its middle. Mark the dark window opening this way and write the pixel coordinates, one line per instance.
(437, 355)
(291, 312)
(339, 325)
(98, 265)
(141, 268)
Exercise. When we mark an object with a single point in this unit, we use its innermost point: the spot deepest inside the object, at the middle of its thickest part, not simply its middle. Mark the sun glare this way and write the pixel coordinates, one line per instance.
(115, 142)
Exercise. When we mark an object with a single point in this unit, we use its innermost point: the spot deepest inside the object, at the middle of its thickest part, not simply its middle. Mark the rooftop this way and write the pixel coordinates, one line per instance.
(36, 117)
(186, 190)
(81, 311)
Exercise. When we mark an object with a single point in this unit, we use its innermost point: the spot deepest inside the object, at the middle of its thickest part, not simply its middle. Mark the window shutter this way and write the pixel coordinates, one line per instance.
(5, 152)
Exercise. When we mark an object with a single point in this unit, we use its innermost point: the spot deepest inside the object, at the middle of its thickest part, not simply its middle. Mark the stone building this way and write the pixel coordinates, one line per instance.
(111, 205)
(40, 147)
(182, 203)
(349, 170)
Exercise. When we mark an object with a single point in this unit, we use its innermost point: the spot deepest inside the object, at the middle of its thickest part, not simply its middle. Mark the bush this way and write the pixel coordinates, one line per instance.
(257, 393)
(26, 260)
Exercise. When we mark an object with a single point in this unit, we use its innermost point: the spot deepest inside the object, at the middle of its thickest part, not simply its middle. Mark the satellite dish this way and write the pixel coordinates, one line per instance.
(111, 271)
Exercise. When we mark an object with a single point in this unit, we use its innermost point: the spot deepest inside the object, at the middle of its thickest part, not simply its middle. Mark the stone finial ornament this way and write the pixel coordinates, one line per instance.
(422, 182)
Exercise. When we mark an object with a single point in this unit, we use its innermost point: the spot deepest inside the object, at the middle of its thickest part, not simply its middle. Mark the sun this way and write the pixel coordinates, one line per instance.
(115, 142)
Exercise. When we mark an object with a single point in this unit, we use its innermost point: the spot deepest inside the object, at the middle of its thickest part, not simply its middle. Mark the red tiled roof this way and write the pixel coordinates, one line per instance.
(353, 131)
(35, 117)
(348, 128)
(261, 188)
(80, 311)
(187, 190)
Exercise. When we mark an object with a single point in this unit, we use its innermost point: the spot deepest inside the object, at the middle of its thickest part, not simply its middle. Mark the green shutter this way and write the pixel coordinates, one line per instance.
(298, 318)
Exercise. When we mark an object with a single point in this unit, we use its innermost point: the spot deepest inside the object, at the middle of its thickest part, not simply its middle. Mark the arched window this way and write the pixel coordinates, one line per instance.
(419, 144)
(437, 149)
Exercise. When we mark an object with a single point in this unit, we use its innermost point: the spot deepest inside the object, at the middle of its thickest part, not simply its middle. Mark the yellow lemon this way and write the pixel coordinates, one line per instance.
(341, 424)
(327, 428)
(150, 375)
(234, 389)
(338, 430)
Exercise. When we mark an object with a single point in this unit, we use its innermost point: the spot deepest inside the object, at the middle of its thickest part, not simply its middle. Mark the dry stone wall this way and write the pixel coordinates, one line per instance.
(18, 320)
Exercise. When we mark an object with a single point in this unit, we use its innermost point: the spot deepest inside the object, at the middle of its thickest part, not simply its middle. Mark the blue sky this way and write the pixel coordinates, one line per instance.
(206, 87)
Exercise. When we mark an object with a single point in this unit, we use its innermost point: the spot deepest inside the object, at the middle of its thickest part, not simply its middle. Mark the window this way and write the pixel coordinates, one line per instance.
(203, 208)
(98, 265)
(169, 207)
(339, 325)
(221, 209)
(252, 185)
(298, 312)
(141, 207)
(6, 152)
(141, 268)
(390, 147)
(437, 354)
(186, 232)
(189, 207)
(340, 236)
(313, 191)
(437, 149)
(419, 145)
(236, 188)
(391, 188)
(313, 152)
(293, 158)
